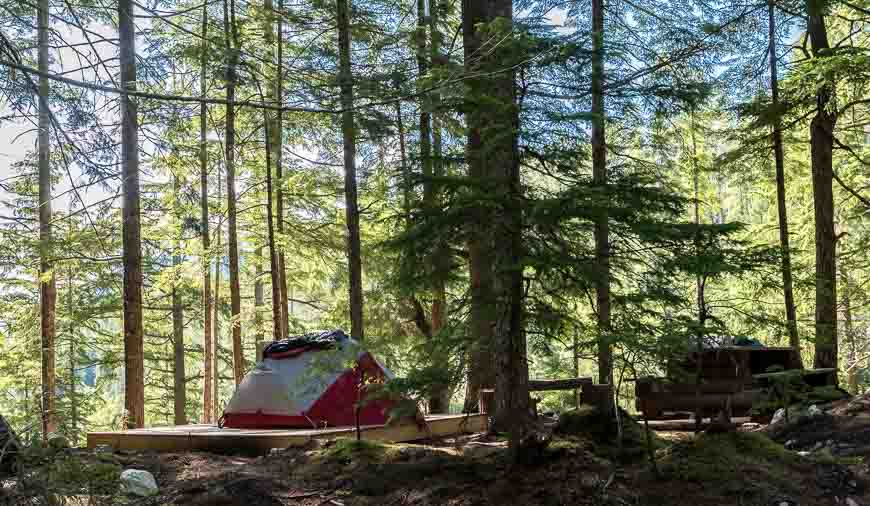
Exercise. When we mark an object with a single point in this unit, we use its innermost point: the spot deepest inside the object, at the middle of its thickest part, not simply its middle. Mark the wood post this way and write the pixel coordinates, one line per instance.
(486, 401)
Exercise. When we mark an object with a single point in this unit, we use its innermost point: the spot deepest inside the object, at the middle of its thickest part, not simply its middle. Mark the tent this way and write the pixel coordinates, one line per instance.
(309, 381)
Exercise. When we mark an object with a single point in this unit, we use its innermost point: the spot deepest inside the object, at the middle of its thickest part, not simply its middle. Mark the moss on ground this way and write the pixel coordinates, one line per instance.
(601, 429)
(731, 460)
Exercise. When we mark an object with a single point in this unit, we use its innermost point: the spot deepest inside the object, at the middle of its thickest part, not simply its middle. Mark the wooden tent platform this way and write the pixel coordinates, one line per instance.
(210, 437)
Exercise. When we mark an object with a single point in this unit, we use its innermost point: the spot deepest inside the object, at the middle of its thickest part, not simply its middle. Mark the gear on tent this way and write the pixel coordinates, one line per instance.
(315, 380)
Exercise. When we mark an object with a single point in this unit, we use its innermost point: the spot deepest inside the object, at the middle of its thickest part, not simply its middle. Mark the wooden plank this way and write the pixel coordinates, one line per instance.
(209, 437)
(803, 372)
(558, 384)
(685, 425)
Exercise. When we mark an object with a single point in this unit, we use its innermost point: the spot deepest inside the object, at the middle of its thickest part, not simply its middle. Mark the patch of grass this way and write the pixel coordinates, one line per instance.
(350, 449)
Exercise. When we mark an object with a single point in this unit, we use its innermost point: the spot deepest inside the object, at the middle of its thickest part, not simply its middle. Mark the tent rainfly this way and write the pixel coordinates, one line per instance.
(309, 381)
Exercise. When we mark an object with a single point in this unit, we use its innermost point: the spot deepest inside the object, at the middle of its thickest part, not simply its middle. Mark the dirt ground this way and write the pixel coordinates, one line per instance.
(578, 468)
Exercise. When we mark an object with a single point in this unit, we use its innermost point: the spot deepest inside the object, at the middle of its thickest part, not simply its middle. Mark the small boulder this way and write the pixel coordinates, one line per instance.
(58, 442)
(138, 482)
(779, 416)
(814, 411)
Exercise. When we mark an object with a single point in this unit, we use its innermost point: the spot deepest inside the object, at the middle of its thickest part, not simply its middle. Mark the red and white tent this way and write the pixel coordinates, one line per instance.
(310, 381)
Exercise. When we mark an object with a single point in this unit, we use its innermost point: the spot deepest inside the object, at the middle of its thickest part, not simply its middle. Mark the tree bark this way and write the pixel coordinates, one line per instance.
(180, 383)
(134, 366)
(207, 337)
(73, 375)
(849, 334)
(258, 296)
(277, 147)
(821, 149)
(493, 157)
(354, 255)
(439, 402)
(599, 178)
(273, 148)
(484, 309)
(216, 401)
(779, 158)
(47, 283)
(232, 47)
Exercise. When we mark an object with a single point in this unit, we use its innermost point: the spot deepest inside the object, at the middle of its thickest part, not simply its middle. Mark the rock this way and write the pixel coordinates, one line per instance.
(138, 482)
(813, 411)
(589, 481)
(790, 443)
(804, 454)
(58, 442)
(413, 453)
(751, 426)
(852, 502)
(779, 416)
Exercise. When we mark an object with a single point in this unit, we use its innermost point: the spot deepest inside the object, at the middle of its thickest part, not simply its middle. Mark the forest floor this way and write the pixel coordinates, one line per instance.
(809, 461)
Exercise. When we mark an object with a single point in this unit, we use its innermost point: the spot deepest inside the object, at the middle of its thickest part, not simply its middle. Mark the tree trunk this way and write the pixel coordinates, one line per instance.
(134, 367)
(407, 185)
(599, 178)
(47, 284)
(180, 384)
(273, 150)
(277, 147)
(216, 333)
(354, 259)
(779, 157)
(73, 375)
(849, 334)
(493, 117)
(484, 308)
(439, 402)
(207, 337)
(278, 316)
(821, 149)
(258, 296)
(575, 355)
(232, 46)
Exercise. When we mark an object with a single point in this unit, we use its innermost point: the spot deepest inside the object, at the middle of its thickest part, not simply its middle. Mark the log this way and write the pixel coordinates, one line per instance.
(560, 384)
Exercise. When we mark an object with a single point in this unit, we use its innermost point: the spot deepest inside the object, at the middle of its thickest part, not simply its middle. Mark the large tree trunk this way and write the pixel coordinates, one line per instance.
(232, 47)
(47, 285)
(277, 148)
(779, 158)
(439, 402)
(134, 366)
(207, 338)
(354, 259)
(493, 117)
(821, 149)
(599, 178)
(484, 308)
